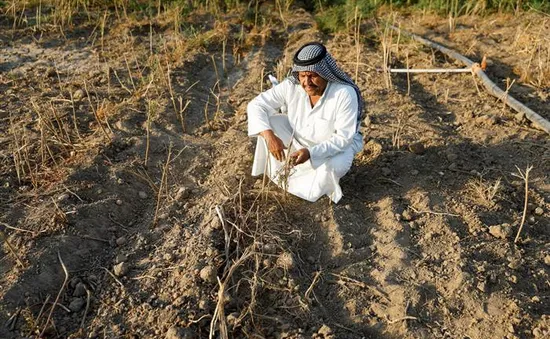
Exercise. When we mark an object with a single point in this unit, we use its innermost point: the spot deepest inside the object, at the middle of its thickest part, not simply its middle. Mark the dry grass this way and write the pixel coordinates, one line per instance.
(484, 192)
(534, 46)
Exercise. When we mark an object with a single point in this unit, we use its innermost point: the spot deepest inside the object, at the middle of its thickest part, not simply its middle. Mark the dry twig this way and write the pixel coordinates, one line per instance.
(525, 177)
(58, 294)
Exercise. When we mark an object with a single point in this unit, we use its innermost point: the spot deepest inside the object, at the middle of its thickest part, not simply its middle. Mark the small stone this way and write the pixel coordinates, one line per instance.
(118, 202)
(178, 333)
(451, 156)
(513, 279)
(547, 260)
(539, 211)
(417, 148)
(367, 121)
(347, 207)
(120, 258)
(142, 195)
(535, 299)
(62, 197)
(500, 231)
(482, 286)
(78, 94)
(208, 274)
(121, 269)
(121, 241)
(77, 304)
(79, 290)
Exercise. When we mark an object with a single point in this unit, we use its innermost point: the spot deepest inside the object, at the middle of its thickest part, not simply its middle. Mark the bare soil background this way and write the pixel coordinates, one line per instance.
(124, 152)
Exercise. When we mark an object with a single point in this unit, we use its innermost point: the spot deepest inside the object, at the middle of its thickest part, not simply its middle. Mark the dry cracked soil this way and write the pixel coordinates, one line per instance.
(129, 210)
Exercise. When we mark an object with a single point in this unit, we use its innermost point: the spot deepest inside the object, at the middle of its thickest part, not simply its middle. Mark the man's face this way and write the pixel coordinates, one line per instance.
(312, 83)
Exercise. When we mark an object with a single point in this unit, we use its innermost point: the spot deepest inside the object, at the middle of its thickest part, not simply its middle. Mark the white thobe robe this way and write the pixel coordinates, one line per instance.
(328, 130)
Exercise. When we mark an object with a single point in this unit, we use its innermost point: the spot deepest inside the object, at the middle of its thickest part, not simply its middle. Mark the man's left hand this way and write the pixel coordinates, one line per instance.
(300, 156)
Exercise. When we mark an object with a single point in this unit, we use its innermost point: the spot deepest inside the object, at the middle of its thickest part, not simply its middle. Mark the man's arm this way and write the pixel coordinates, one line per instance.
(265, 105)
(260, 109)
(274, 144)
(345, 126)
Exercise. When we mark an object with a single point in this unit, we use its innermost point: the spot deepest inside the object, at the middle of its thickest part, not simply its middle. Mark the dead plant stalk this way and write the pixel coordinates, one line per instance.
(525, 177)
(163, 184)
(58, 294)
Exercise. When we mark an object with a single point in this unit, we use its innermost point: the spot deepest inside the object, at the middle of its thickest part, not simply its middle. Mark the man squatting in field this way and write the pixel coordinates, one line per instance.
(321, 127)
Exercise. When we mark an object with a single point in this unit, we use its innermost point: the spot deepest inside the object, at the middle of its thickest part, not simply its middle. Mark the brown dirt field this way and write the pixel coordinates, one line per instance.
(186, 241)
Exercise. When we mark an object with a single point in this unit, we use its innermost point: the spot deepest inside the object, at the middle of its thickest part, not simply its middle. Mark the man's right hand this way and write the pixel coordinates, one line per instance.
(274, 144)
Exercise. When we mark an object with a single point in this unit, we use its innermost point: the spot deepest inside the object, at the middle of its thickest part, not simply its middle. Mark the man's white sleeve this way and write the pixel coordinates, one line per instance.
(345, 128)
(265, 105)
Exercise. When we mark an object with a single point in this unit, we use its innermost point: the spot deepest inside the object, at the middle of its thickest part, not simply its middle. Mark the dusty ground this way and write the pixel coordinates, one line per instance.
(124, 145)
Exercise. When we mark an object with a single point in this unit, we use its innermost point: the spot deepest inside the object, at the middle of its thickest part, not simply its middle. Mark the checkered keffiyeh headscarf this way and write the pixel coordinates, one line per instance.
(313, 57)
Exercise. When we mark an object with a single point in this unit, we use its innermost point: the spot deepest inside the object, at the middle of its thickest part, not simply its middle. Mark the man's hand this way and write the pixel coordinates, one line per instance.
(274, 144)
(300, 156)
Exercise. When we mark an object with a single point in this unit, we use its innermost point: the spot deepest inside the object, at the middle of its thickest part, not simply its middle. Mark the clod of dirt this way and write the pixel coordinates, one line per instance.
(482, 286)
(325, 331)
(417, 148)
(519, 116)
(183, 193)
(77, 304)
(208, 274)
(121, 241)
(79, 290)
(121, 269)
(500, 231)
(78, 94)
(232, 319)
(178, 333)
(486, 120)
(407, 215)
(451, 156)
(51, 72)
(367, 121)
(215, 223)
(285, 260)
(542, 330)
(269, 248)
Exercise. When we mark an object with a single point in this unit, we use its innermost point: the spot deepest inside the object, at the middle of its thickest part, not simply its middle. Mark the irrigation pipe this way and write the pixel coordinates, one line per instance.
(428, 70)
(490, 86)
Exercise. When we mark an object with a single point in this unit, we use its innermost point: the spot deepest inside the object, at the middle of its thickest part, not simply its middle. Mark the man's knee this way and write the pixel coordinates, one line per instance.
(341, 163)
